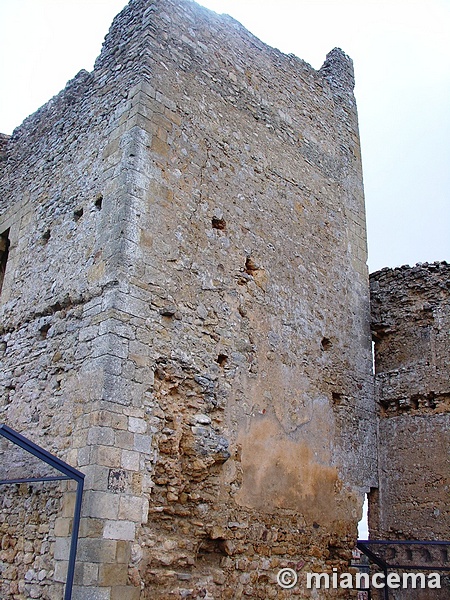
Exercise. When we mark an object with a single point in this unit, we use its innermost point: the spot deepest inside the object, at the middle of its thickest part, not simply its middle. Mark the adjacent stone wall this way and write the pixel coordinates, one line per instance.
(411, 327)
(27, 535)
(185, 308)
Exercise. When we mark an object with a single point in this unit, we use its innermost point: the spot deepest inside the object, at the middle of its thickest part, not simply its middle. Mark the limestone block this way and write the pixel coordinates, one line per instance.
(136, 425)
(101, 435)
(98, 504)
(62, 548)
(131, 508)
(125, 593)
(96, 477)
(86, 573)
(91, 593)
(119, 530)
(62, 527)
(60, 571)
(96, 550)
(143, 443)
(112, 574)
(107, 456)
(130, 460)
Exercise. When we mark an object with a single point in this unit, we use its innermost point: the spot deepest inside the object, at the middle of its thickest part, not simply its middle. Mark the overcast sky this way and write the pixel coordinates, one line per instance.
(401, 53)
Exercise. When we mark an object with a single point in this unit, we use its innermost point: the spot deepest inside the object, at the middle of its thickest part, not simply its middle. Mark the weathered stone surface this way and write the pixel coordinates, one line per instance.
(27, 536)
(185, 306)
(411, 325)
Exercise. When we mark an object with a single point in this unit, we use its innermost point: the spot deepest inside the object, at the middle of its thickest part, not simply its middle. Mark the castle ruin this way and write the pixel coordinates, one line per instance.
(411, 328)
(185, 318)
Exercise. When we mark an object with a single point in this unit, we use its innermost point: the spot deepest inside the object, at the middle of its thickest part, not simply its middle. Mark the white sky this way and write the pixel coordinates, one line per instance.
(401, 52)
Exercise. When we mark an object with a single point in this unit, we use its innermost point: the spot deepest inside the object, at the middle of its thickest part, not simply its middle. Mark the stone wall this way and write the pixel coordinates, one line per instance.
(411, 324)
(411, 327)
(27, 535)
(185, 308)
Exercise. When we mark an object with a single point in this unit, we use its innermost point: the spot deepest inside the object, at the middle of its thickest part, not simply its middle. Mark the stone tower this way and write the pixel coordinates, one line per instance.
(185, 312)
(411, 324)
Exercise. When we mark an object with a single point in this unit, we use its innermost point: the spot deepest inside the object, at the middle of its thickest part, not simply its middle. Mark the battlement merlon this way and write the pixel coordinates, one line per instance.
(338, 70)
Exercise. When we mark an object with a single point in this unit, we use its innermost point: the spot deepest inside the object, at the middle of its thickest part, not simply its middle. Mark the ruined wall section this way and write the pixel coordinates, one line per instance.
(248, 298)
(64, 230)
(411, 325)
(196, 340)
(62, 221)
